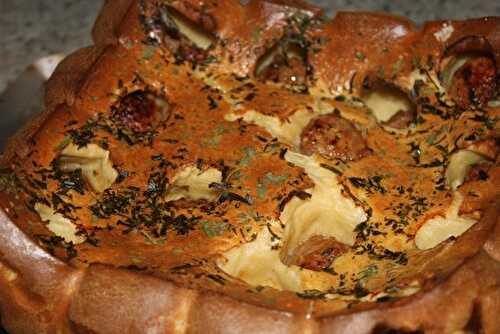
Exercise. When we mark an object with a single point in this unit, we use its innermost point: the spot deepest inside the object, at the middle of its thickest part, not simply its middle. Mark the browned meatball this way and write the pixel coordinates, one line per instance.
(333, 137)
(474, 83)
(141, 110)
(318, 253)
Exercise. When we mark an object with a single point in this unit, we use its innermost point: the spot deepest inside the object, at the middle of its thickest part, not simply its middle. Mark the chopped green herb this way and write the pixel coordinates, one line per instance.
(416, 62)
(415, 152)
(249, 155)
(178, 251)
(212, 104)
(489, 122)
(369, 184)
(397, 67)
(136, 259)
(340, 98)
(112, 203)
(359, 55)
(220, 129)
(214, 229)
(53, 242)
(213, 141)
(230, 196)
(65, 142)
(256, 34)
(312, 294)
(261, 190)
(331, 168)
(150, 240)
(270, 178)
(381, 71)
(217, 279)
(149, 51)
(9, 182)
(182, 267)
(368, 272)
(432, 139)
(128, 44)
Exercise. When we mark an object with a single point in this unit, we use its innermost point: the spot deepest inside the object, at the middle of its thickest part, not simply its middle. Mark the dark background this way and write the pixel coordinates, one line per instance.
(30, 29)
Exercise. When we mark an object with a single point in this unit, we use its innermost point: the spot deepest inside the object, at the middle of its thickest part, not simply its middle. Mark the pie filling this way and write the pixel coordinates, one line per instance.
(189, 172)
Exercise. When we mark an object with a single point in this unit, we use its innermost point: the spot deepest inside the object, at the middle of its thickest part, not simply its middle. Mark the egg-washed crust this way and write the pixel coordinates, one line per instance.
(121, 278)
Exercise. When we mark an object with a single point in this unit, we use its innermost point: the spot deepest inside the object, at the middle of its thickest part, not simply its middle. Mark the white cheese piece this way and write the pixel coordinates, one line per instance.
(192, 183)
(460, 163)
(413, 77)
(58, 224)
(286, 132)
(386, 102)
(327, 213)
(257, 264)
(438, 229)
(193, 32)
(444, 33)
(97, 168)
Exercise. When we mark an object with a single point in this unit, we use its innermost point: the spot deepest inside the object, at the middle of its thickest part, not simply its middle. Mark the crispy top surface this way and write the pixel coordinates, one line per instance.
(163, 102)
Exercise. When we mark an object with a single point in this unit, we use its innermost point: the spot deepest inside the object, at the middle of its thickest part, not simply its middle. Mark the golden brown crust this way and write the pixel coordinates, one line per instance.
(453, 300)
(109, 20)
(39, 293)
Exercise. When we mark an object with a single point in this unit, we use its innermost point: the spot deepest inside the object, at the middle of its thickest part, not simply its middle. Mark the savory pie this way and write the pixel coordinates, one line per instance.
(218, 167)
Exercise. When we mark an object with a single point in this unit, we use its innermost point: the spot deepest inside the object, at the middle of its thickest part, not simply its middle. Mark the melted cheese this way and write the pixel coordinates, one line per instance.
(58, 224)
(439, 229)
(460, 163)
(97, 168)
(193, 32)
(194, 184)
(259, 265)
(327, 213)
(386, 102)
(288, 131)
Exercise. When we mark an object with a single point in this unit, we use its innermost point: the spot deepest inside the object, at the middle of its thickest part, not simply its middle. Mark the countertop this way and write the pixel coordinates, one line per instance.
(30, 29)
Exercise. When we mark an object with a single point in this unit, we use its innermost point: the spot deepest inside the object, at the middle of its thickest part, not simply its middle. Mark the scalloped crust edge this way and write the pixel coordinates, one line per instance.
(41, 294)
